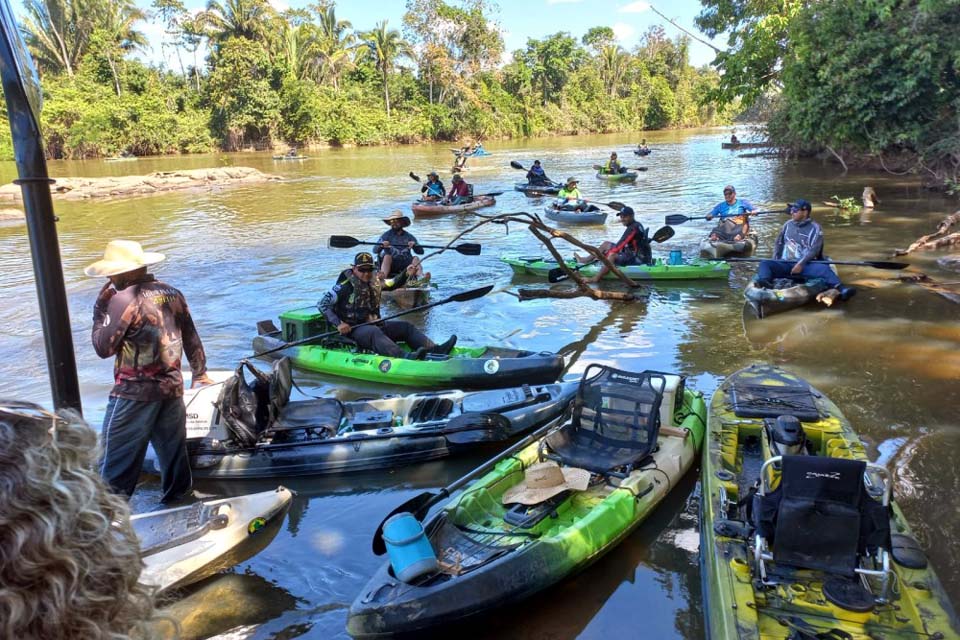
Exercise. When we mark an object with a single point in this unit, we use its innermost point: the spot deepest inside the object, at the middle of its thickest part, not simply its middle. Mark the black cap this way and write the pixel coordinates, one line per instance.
(363, 259)
(626, 211)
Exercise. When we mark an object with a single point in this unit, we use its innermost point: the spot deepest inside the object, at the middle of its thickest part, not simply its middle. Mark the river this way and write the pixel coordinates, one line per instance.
(890, 357)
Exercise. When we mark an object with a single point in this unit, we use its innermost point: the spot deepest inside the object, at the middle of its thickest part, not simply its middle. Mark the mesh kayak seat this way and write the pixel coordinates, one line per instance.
(616, 420)
(825, 516)
(301, 414)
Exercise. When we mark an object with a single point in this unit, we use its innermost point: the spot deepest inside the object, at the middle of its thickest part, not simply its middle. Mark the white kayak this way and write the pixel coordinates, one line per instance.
(183, 545)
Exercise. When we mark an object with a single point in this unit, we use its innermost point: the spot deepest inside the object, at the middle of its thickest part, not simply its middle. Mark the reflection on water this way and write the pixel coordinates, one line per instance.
(888, 357)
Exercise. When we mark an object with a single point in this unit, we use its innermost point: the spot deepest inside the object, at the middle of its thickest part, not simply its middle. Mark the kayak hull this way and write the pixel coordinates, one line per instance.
(594, 216)
(408, 297)
(744, 145)
(466, 368)
(291, 157)
(584, 527)
(716, 249)
(638, 152)
(409, 429)
(692, 270)
(536, 189)
(184, 545)
(736, 444)
(426, 209)
(766, 302)
(628, 176)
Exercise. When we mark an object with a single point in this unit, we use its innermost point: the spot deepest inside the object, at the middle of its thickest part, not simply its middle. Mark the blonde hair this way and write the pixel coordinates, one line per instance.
(69, 559)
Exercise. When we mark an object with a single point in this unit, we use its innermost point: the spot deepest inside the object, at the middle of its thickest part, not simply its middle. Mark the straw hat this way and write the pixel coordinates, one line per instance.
(544, 480)
(122, 256)
(398, 215)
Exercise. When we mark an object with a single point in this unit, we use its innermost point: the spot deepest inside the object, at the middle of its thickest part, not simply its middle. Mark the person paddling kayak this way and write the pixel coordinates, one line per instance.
(355, 299)
(632, 248)
(568, 198)
(799, 242)
(734, 211)
(396, 249)
(613, 166)
(433, 190)
(537, 176)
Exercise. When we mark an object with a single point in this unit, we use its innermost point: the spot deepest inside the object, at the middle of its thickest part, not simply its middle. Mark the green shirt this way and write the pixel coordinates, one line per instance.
(569, 193)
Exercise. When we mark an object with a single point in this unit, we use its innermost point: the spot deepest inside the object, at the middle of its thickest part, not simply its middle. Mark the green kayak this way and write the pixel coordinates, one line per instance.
(628, 176)
(465, 367)
(528, 524)
(691, 270)
(799, 535)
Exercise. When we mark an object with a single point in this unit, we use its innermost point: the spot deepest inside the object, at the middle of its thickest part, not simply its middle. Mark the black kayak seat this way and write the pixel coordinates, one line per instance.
(821, 516)
(770, 401)
(615, 423)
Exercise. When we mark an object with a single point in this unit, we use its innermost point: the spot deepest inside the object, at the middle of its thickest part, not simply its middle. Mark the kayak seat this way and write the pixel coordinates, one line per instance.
(771, 401)
(824, 516)
(302, 414)
(615, 423)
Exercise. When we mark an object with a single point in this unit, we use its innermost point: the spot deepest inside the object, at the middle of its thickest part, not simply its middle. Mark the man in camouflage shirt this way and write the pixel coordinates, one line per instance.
(147, 326)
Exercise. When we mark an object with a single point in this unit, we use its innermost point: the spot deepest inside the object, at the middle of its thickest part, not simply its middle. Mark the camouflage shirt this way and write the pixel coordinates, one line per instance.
(147, 326)
(354, 301)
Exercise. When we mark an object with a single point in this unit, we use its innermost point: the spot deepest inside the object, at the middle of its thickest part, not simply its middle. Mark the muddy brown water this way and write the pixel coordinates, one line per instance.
(889, 357)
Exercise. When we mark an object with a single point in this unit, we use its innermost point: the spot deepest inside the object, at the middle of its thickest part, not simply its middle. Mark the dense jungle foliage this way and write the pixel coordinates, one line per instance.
(306, 76)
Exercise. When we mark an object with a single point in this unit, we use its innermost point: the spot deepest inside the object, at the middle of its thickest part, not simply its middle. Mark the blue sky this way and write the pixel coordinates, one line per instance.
(518, 19)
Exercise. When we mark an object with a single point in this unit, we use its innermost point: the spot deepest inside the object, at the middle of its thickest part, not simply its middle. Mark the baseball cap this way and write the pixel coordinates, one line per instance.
(626, 211)
(363, 260)
(800, 205)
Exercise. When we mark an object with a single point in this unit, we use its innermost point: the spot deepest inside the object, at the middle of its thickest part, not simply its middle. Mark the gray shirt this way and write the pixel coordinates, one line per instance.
(799, 242)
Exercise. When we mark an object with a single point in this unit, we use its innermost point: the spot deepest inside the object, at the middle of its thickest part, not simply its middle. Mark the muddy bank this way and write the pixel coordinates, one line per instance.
(130, 186)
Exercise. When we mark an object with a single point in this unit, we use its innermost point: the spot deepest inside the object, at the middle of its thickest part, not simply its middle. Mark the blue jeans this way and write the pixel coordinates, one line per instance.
(128, 427)
(772, 269)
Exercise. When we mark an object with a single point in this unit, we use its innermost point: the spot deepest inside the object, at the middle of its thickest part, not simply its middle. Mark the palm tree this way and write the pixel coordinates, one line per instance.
(386, 46)
(116, 22)
(613, 67)
(238, 18)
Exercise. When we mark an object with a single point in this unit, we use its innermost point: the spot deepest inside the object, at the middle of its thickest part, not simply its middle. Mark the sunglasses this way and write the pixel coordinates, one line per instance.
(727, 192)
(365, 268)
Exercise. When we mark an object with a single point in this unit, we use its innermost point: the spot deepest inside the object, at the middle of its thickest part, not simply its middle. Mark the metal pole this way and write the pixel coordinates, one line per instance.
(22, 92)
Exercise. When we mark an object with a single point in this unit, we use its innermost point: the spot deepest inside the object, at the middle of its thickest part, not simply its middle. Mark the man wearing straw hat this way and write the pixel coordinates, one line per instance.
(146, 324)
(395, 248)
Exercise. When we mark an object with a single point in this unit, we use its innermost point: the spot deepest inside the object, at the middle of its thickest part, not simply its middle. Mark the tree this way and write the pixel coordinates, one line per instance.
(613, 67)
(551, 61)
(238, 19)
(386, 45)
(597, 38)
(118, 35)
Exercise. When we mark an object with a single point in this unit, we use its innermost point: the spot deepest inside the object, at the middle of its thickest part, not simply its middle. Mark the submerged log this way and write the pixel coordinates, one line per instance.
(565, 293)
(938, 239)
(828, 297)
(870, 199)
(948, 290)
(131, 186)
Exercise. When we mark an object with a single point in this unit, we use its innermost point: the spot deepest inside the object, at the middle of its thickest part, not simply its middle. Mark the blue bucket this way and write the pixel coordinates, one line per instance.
(676, 256)
(411, 554)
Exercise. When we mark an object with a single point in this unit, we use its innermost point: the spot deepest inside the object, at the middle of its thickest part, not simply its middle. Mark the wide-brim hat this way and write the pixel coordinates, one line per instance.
(122, 256)
(398, 215)
(544, 480)
(572, 180)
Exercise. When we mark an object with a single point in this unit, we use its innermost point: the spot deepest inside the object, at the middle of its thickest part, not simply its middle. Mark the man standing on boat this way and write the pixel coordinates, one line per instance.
(799, 242)
(147, 325)
(355, 300)
(396, 249)
(732, 211)
(632, 248)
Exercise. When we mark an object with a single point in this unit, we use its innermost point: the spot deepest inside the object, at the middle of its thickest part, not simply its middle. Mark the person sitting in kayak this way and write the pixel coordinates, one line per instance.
(613, 165)
(355, 299)
(734, 139)
(537, 176)
(642, 147)
(432, 190)
(292, 152)
(633, 247)
(799, 242)
(734, 210)
(728, 230)
(460, 191)
(397, 246)
(568, 198)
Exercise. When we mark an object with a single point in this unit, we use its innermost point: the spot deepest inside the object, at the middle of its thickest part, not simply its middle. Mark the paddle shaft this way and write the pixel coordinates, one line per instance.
(310, 339)
(876, 264)
(679, 218)
(347, 242)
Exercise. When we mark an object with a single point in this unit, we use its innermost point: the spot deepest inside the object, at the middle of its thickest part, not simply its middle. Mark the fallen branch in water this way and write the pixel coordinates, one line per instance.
(931, 285)
(938, 239)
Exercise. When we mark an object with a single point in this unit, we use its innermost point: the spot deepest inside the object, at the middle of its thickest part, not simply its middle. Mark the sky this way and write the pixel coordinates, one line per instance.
(518, 19)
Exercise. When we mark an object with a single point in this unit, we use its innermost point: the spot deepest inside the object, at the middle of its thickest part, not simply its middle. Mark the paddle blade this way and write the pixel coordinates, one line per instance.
(472, 428)
(468, 249)
(894, 266)
(342, 242)
(639, 168)
(414, 505)
(616, 206)
(465, 296)
(676, 218)
(557, 275)
(663, 234)
(414, 176)
(516, 165)
(597, 167)
(492, 194)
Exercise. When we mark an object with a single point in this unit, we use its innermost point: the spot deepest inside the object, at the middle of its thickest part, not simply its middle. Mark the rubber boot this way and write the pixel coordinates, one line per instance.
(847, 292)
(419, 354)
(444, 349)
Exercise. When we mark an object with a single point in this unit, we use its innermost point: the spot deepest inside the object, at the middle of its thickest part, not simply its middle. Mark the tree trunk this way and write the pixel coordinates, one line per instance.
(386, 91)
(113, 71)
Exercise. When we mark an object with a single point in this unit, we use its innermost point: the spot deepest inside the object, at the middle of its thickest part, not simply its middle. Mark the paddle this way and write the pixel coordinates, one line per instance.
(598, 168)
(419, 506)
(559, 275)
(517, 165)
(463, 296)
(679, 218)
(876, 264)
(346, 242)
(492, 194)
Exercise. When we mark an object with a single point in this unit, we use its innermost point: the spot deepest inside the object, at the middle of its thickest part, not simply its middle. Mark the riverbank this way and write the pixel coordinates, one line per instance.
(131, 186)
